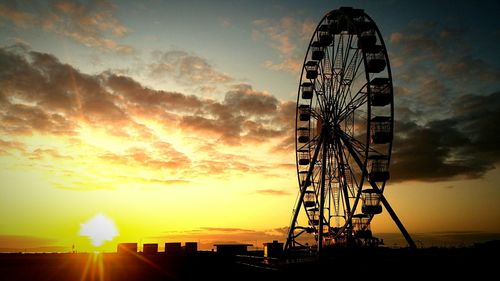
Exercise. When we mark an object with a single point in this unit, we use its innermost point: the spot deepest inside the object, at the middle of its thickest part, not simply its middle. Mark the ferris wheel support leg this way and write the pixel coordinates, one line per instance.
(291, 237)
(384, 201)
(395, 218)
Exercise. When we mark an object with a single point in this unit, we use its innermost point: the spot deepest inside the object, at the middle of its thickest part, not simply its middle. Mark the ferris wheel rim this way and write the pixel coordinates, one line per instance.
(368, 124)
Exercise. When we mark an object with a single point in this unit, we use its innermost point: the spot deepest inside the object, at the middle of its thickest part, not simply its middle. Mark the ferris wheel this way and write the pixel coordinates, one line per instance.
(344, 131)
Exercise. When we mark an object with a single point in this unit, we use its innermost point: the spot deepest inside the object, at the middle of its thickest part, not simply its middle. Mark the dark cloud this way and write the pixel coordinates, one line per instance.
(441, 239)
(435, 63)
(442, 131)
(55, 97)
(18, 119)
(248, 101)
(428, 40)
(469, 68)
(137, 94)
(464, 145)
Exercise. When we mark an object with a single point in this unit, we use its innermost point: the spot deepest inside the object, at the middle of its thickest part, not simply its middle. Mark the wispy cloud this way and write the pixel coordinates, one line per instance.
(187, 69)
(276, 192)
(16, 16)
(288, 36)
(91, 24)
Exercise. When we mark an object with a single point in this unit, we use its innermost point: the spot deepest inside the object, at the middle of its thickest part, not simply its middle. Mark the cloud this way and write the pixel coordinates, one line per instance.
(288, 36)
(40, 153)
(446, 95)
(468, 68)
(439, 50)
(248, 101)
(16, 16)
(224, 229)
(159, 131)
(163, 156)
(274, 192)
(91, 24)
(186, 68)
(20, 243)
(441, 239)
(6, 146)
(461, 146)
(207, 236)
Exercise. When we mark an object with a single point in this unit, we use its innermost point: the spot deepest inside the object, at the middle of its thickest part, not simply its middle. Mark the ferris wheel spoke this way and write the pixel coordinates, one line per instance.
(356, 102)
(354, 184)
(343, 178)
(347, 93)
(334, 179)
(348, 78)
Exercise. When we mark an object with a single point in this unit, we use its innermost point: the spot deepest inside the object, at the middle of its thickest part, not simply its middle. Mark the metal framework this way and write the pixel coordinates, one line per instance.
(344, 130)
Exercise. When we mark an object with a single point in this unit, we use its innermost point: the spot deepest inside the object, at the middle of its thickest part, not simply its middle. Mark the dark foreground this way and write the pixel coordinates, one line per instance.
(374, 264)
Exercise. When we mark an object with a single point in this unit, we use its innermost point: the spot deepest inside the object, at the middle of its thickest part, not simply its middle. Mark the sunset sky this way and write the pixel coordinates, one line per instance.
(175, 119)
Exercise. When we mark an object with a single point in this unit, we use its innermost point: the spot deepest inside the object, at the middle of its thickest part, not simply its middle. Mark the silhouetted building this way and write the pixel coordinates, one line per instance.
(191, 247)
(126, 248)
(273, 250)
(150, 248)
(232, 249)
(173, 248)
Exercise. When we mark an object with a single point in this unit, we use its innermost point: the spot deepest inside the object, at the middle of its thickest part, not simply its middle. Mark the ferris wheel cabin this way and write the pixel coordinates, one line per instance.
(380, 92)
(361, 226)
(303, 157)
(325, 38)
(375, 58)
(317, 52)
(303, 134)
(311, 69)
(313, 216)
(309, 198)
(307, 90)
(304, 112)
(381, 131)
(378, 168)
(371, 202)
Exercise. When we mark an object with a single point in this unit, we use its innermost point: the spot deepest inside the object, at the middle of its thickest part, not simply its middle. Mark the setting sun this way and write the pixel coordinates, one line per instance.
(99, 229)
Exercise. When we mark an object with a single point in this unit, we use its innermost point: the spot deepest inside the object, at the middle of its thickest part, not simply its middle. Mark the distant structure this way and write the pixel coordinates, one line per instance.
(173, 248)
(126, 248)
(344, 124)
(150, 248)
(232, 249)
(273, 250)
(190, 247)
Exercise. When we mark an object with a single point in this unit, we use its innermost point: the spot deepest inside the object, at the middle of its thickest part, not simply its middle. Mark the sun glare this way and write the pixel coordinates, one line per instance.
(99, 229)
